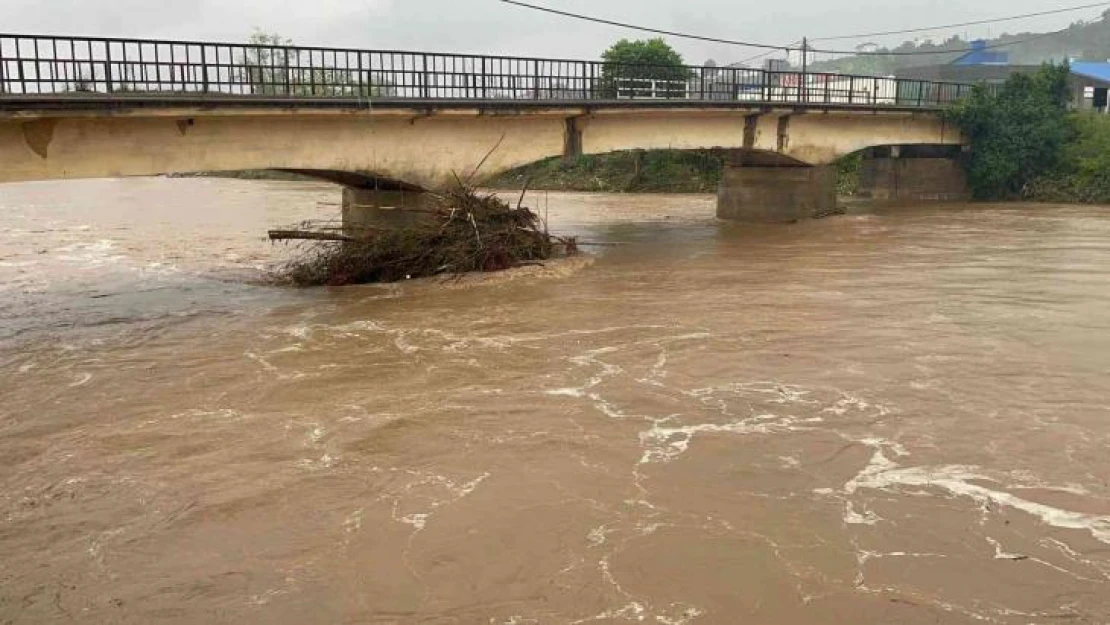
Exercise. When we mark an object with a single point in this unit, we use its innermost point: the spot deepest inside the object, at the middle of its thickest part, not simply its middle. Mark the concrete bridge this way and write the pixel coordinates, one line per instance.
(388, 125)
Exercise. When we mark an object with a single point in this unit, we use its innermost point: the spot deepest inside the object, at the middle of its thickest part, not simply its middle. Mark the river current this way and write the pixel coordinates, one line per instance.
(896, 417)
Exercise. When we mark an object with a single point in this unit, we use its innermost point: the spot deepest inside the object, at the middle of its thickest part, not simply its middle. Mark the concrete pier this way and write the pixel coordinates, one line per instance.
(374, 208)
(775, 194)
(913, 175)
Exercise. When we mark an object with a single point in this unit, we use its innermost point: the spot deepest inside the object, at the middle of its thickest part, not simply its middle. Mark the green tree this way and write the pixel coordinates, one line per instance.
(264, 64)
(1017, 133)
(269, 66)
(644, 69)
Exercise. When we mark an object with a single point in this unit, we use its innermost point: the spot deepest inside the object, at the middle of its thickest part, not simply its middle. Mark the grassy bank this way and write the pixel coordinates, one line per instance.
(638, 171)
(249, 174)
(644, 171)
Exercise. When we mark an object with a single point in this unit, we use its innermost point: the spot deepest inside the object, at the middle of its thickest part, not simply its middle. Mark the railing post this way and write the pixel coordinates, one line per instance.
(485, 93)
(108, 65)
(287, 78)
(424, 76)
(203, 67)
(874, 92)
(766, 87)
(19, 68)
(369, 84)
(827, 81)
(593, 80)
(851, 89)
(536, 78)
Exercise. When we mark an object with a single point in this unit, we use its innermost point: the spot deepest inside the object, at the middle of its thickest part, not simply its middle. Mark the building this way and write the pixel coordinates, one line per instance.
(979, 64)
(1090, 82)
(980, 54)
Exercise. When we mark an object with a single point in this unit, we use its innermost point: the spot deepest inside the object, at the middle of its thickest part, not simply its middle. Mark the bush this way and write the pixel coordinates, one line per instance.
(1017, 133)
(1083, 174)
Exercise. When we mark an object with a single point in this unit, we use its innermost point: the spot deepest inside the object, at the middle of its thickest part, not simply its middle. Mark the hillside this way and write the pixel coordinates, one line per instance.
(1088, 41)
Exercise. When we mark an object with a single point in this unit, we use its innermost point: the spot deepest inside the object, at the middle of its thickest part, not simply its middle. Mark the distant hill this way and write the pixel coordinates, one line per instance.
(1088, 41)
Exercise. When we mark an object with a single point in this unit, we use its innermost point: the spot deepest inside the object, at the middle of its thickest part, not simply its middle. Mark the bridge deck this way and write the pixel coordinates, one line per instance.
(59, 104)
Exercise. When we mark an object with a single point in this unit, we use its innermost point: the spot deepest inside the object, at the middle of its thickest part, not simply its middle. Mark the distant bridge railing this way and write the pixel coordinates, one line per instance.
(34, 67)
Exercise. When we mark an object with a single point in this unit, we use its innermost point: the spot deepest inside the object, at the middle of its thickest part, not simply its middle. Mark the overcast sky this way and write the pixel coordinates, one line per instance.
(489, 26)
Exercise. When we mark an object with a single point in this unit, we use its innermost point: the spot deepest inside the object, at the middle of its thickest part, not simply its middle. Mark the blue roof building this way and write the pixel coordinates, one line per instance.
(981, 55)
(1091, 83)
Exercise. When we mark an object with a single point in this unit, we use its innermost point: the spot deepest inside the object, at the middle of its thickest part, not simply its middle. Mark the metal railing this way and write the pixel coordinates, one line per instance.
(68, 67)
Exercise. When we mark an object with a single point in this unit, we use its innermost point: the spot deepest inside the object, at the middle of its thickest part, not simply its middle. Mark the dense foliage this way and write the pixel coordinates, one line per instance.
(644, 68)
(1083, 173)
(1017, 133)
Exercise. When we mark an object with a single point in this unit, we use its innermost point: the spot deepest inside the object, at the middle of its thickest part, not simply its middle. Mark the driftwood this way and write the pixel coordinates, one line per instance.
(308, 235)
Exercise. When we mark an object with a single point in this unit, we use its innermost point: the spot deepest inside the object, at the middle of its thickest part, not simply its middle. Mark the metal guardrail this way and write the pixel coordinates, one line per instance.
(65, 67)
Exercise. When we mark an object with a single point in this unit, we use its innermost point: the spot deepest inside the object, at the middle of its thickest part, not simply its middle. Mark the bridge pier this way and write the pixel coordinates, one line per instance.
(379, 208)
(913, 174)
(781, 194)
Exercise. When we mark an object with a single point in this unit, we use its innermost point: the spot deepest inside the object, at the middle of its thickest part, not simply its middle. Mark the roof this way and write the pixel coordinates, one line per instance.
(980, 54)
(1097, 71)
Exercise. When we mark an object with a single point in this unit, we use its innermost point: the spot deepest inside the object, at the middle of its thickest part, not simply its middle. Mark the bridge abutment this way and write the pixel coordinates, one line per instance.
(912, 175)
(376, 208)
(775, 194)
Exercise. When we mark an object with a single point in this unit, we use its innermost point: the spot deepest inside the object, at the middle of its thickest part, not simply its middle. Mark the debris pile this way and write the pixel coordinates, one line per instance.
(465, 232)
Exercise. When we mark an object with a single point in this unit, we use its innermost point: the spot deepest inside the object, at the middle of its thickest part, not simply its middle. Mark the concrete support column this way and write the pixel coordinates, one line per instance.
(775, 194)
(372, 208)
(913, 180)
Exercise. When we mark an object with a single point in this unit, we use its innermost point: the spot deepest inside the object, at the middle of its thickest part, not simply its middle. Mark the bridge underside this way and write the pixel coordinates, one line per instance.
(406, 148)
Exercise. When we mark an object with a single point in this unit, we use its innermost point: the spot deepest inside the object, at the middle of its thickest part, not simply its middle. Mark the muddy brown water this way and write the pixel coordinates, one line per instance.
(901, 417)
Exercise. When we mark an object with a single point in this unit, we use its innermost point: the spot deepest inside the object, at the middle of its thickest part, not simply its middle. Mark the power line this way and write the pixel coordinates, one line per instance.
(941, 27)
(962, 24)
(766, 46)
(646, 29)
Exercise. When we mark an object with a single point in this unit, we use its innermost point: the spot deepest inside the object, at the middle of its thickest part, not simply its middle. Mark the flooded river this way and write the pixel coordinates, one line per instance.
(901, 417)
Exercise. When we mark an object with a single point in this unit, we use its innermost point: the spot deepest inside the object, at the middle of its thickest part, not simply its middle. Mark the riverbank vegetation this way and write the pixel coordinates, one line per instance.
(1025, 144)
(646, 171)
(1083, 173)
(635, 171)
(465, 232)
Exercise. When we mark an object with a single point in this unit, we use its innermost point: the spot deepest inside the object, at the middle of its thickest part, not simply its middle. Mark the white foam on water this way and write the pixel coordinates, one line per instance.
(598, 536)
(663, 444)
(418, 521)
(789, 462)
(353, 523)
(851, 517)
(566, 392)
(82, 380)
(688, 615)
(1001, 554)
(883, 474)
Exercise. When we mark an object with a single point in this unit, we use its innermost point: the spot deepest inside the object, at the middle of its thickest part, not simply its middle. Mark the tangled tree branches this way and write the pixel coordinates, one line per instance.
(466, 232)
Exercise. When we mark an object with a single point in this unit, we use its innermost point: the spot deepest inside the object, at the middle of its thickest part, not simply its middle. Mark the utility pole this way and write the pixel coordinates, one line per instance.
(805, 69)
